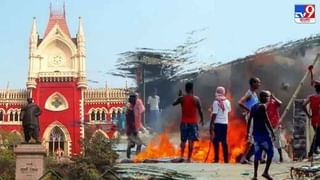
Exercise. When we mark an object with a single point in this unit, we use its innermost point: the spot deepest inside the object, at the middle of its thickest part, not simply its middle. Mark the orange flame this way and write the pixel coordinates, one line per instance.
(203, 151)
(161, 147)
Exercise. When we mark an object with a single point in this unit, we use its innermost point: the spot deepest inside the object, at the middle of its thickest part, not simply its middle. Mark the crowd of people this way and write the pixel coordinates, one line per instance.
(260, 110)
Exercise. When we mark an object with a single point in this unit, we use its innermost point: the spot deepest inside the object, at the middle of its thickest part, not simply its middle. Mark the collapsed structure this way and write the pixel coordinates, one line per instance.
(282, 69)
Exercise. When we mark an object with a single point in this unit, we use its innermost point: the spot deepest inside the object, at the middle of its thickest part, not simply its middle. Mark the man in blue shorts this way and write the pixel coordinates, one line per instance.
(260, 132)
(190, 107)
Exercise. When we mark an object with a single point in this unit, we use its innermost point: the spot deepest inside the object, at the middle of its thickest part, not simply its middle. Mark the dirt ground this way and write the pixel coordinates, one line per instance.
(205, 171)
(208, 171)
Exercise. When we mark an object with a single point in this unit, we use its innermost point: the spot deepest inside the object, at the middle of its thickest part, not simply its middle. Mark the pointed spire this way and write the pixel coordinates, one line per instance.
(50, 8)
(107, 90)
(106, 84)
(57, 16)
(56, 9)
(34, 27)
(64, 8)
(34, 35)
(80, 28)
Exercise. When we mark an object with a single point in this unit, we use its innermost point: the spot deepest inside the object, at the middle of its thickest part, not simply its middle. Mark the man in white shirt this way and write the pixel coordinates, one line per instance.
(154, 112)
(219, 123)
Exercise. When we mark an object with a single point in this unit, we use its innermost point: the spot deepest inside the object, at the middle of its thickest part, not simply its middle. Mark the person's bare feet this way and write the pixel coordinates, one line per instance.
(267, 176)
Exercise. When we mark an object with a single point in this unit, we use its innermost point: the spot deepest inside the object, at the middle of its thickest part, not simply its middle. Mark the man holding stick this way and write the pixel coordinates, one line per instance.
(190, 104)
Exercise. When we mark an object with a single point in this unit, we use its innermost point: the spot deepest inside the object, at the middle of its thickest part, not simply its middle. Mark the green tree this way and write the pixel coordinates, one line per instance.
(7, 157)
(97, 157)
(99, 151)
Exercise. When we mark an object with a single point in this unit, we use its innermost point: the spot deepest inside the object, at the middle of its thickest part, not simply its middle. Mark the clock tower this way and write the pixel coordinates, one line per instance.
(57, 81)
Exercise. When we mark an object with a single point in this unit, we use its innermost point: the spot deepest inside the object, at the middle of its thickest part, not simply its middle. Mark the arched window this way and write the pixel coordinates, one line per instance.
(56, 141)
(16, 116)
(1, 115)
(92, 115)
(98, 115)
(11, 116)
(103, 115)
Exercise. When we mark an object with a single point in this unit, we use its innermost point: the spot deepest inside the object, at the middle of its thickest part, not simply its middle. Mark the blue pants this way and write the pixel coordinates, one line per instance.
(262, 143)
(189, 132)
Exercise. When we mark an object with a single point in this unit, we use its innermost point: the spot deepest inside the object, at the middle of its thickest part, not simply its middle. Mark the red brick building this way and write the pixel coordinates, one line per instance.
(57, 83)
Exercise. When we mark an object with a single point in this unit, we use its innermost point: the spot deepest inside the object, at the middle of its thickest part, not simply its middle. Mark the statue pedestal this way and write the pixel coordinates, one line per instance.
(29, 161)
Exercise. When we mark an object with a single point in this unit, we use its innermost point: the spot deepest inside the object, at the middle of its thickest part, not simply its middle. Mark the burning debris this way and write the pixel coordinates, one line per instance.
(161, 149)
(312, 172)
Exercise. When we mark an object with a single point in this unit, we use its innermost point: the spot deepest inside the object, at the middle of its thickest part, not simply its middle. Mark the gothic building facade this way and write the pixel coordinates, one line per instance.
(57, 82)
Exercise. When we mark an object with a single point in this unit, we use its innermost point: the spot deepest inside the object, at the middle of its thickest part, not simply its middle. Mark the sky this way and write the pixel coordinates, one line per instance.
(233, 29)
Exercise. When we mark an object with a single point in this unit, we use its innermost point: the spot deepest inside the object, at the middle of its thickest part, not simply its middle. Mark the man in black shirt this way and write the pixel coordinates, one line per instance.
(261, 133)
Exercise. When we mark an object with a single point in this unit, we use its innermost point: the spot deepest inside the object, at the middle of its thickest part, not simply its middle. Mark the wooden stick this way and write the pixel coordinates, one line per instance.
(310, 68)
(296, 92)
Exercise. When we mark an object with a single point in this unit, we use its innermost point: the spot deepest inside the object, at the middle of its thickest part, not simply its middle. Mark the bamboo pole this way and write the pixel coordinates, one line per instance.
(296, 92)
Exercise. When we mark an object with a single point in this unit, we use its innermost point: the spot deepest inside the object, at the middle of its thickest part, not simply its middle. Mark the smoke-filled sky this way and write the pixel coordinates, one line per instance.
(232, 29)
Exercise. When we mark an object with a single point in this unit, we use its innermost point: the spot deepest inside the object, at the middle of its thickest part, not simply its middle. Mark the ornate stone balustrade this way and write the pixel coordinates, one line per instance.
(105, 95)
(57, 76)
(13, 96)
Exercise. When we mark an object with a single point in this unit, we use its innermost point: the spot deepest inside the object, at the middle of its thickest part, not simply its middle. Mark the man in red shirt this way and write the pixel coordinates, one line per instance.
(274, 117)
(314, 105)
(190, 104)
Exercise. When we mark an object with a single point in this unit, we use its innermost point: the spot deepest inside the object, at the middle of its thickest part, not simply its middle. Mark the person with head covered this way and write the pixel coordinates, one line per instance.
(219, 123)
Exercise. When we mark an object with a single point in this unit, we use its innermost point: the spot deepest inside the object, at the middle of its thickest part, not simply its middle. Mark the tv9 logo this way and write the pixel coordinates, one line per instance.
(305, 13)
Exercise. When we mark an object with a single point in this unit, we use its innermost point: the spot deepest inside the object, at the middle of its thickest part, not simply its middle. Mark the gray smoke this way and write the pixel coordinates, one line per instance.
(280, 70)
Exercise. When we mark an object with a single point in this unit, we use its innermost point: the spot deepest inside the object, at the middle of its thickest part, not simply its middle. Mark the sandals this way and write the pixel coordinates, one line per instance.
(267, 176)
